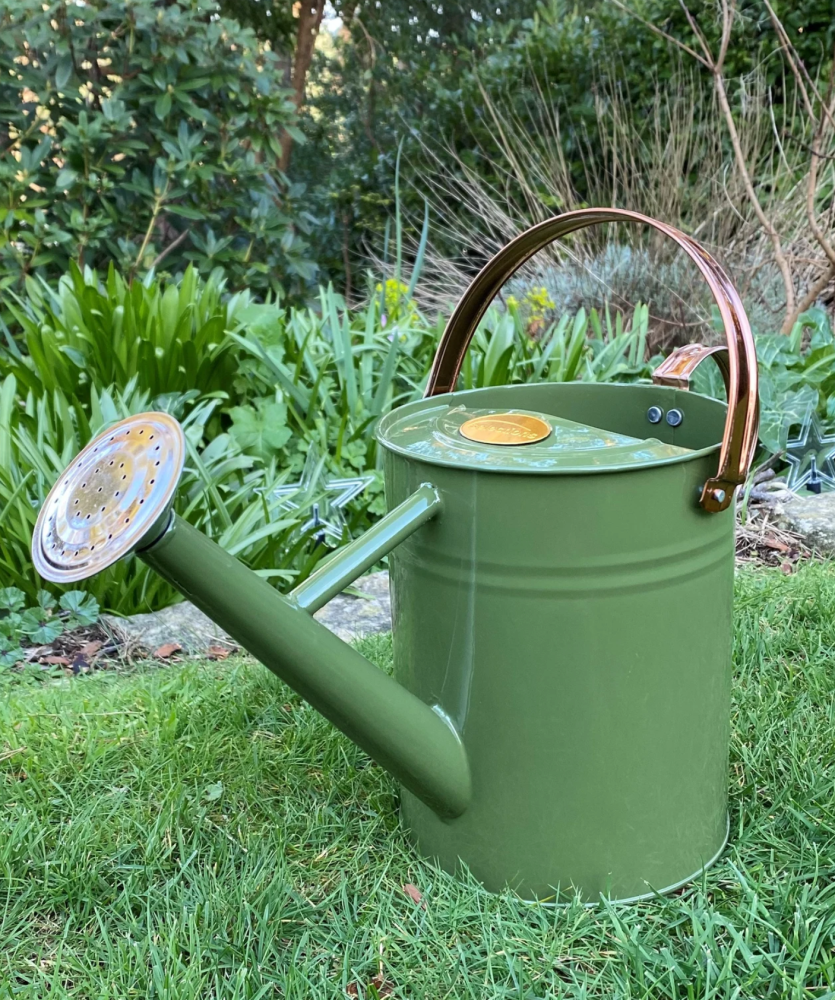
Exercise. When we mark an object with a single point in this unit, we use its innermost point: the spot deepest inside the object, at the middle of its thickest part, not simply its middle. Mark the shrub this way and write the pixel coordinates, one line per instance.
(261, 388)
(336, 371)
(797, 378)
(85, 334)
(224, 493)
(145, 134)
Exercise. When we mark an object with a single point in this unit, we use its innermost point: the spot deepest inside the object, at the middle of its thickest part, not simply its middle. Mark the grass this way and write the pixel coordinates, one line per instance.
(197, 832)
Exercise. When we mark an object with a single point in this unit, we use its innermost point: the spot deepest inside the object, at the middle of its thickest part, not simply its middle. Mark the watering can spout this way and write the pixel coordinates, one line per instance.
(87, 523)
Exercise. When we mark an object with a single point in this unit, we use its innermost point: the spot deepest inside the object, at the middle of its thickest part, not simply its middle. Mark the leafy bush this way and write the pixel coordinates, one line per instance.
(261, 389)
(226, 494)
(87, 334)
(393, 68)
(331, 374)
(797, 377)
(143, 133)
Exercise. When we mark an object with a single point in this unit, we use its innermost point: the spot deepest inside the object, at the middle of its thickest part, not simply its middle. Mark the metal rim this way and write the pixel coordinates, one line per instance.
(454, 398)
(107, 501)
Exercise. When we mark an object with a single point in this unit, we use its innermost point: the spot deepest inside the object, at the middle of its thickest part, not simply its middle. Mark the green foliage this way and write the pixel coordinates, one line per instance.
(260, 429)
(225, 493)
(324, 378)
(259, 386)
(87, 334)
(586, 347)
(42, 623)
(271, 20)
(143, 134)
(797, 377)
(397, 67)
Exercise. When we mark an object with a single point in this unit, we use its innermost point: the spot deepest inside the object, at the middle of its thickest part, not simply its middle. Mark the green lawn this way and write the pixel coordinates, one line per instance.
(195, 831)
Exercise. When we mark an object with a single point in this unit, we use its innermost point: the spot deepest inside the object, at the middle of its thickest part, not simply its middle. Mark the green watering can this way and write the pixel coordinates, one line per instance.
(561, 572)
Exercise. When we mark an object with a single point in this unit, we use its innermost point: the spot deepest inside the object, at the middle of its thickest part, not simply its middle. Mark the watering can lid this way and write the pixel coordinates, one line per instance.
(518, 441)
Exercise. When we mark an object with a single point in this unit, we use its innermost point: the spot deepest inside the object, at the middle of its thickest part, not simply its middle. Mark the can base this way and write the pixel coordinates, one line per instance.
(652, 893)
(567, 895)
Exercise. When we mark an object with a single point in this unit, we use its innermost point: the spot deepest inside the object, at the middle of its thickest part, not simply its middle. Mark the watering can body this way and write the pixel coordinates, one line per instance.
(576, 629)
(558, 717)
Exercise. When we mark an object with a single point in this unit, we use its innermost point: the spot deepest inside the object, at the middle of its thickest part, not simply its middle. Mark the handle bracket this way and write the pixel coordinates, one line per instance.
(677, 369)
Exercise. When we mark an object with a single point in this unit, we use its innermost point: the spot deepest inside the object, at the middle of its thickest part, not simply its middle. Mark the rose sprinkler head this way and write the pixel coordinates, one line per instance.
(114, 498)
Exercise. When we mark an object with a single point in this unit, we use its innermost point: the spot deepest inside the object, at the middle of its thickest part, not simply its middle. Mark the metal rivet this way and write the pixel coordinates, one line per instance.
(718, 495)
(654, 414)
(674, 417)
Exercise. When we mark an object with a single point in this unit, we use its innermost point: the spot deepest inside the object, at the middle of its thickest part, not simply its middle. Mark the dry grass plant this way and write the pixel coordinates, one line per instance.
(683, 168)
(532, 180)
(789, 192)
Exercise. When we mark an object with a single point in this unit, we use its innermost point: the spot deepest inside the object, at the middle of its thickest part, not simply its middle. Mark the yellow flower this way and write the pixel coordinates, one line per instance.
(396, 304)
(539, 300)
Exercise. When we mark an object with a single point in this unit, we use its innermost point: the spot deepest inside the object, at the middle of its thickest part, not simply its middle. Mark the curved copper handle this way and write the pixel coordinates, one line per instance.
(740, 437)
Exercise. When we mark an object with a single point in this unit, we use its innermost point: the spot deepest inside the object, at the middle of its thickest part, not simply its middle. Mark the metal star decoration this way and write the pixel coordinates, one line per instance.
(325, 498)
(810, 458)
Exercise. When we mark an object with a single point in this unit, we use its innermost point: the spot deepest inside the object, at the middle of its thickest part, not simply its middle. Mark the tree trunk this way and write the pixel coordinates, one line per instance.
(310, 18)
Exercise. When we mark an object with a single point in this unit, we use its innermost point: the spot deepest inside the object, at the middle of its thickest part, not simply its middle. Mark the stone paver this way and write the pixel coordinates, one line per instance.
(813, 518)
(184, 625)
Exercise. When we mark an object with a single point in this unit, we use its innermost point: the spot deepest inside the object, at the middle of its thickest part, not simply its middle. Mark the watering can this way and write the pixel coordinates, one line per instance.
(561, 560)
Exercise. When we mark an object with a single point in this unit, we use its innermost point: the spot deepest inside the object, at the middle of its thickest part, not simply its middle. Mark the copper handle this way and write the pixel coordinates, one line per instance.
(740, 437)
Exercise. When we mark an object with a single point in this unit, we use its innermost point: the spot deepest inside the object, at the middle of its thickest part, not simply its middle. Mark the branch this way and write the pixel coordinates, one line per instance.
(807, 148)
(310, 19)
(697, 31)
(155, 214)
(662, 34)
(812, 186)
(715, 66)
(765, 222)
(811, 296)
(786, 46)
(171, 246)
(799, 71)
(727, 27)
(797, 67)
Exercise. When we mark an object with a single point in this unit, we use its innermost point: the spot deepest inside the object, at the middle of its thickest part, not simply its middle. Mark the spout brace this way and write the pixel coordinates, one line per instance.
(348, 563)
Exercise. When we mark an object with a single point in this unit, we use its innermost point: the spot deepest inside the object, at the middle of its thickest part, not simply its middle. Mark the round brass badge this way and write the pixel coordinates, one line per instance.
(505, 428)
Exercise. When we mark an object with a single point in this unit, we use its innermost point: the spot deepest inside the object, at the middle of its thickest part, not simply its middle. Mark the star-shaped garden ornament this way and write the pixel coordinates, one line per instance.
(324, 498)
(810, 456)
